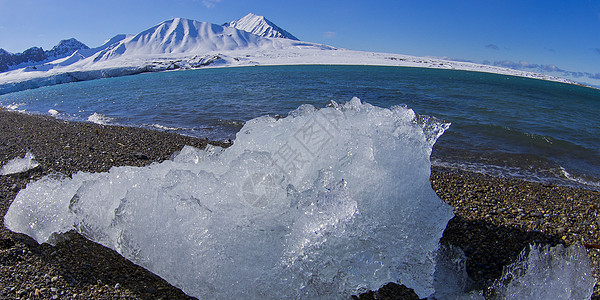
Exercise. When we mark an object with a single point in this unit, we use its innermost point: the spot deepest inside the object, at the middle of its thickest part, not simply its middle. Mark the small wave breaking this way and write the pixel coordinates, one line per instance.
(100, 119)
(14, 106)
(580, 180)
(165, 128)
(551, 174)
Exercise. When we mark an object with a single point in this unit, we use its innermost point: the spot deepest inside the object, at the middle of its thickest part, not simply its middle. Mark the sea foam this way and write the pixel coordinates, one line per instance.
(323, 203)
(99, 119)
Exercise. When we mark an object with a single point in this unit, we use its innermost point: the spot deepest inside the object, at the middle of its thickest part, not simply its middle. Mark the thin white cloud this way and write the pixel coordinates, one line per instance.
(552, 69)
(329, 34)
(210, 3)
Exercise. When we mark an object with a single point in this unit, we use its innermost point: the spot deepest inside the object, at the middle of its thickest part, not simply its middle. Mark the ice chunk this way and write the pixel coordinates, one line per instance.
(324, 203)
(18, 165)
(538, 273)
(548, 273)
(450, 278)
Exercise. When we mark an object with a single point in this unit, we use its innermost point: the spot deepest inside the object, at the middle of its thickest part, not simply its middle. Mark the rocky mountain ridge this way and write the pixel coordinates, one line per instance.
(36, 54)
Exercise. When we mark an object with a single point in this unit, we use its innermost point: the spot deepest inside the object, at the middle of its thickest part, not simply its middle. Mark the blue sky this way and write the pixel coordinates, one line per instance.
(527, 34)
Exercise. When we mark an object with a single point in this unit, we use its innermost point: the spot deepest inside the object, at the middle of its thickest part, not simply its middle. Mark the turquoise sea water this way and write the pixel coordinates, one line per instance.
(501, 125)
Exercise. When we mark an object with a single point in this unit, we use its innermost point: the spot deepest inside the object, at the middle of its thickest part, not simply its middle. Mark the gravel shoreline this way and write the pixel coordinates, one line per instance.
(495, 218)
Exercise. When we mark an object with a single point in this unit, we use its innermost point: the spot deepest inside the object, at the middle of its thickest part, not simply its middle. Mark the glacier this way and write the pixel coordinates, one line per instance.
(323, 203)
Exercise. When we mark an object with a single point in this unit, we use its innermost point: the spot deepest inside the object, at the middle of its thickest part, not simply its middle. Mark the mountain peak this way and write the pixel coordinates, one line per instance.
(261, 26)
(183, 36)
(66, 48)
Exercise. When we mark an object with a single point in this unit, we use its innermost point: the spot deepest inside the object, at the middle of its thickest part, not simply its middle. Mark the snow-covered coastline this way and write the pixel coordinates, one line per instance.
(303, 54)
(181, 44)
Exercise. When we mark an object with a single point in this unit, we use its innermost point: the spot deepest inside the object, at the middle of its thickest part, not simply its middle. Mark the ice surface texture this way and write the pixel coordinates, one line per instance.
(547, 273)
(18, 165)
(324, 203)
(539, 272)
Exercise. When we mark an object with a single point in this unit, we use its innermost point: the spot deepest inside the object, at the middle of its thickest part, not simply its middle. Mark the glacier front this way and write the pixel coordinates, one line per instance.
(323, 203)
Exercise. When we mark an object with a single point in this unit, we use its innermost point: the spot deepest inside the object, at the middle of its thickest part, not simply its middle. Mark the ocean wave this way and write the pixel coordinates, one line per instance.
(513, 139)
(229, 123)
(491, 170)
(166, 128)
(100, 119)
(579, 180)
(14, 106)
(548, 174)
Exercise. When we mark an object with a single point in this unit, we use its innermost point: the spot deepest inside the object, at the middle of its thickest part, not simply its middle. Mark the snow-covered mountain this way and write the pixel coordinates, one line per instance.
(66, 48)
(37, 55)
(186, 44)
(181, 36)
(259, 25)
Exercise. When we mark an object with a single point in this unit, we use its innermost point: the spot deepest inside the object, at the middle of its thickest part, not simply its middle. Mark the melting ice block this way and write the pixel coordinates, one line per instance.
(18, 165)
(547, 273)
(324, 203)
(539, 272)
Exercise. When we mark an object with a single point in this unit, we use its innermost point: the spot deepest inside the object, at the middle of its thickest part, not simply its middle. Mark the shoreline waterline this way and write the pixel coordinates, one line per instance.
(543, 172)
(507, 123)
(495, 218)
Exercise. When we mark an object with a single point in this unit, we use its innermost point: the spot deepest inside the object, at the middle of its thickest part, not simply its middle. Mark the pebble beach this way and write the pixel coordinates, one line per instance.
(495, 218)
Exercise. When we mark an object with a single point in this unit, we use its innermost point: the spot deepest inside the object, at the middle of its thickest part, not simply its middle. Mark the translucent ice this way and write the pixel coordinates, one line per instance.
(451, 281)
(324, 203)
(18, 165)
(548, 273)
(538, 273)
